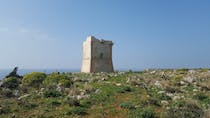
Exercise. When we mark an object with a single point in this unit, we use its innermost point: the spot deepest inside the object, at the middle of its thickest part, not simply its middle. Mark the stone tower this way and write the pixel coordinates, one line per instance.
(97, 55)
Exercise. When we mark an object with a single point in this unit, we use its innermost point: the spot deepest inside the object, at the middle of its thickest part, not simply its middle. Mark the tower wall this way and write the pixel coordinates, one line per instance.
(86, 56)
(97, 55)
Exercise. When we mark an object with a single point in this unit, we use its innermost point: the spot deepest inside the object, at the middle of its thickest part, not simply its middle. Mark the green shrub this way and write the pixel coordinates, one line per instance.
(52, 93)
(142, 113)
(177, 78)
(6, 93)
(79, 111)
(163, 96)
(126, 105)
(54, 103)
(182, 70)
(147, 113)
(56, 78)
(183, 109)
(4, 109)
(25, 104)
(72, 102)
(11, 82)
(204, 69)
(123, 89)
(88, 88)
(152, 101)
(203, 98)
(34, 79)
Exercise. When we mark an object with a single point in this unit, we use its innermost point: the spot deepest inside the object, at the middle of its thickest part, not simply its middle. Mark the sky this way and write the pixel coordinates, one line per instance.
(37, 34)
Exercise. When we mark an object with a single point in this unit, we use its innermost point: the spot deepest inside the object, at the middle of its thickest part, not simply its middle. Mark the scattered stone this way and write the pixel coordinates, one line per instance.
(153, 72)
(192, 71)
(182, 83)
(176, 98)
(189, 79)
(170, 94)
(82, 93)
(97, 91)
(161, 92)
(164, 103)
(78, 97)
(157, 83)
(103, 79)
(42, 89)
(16, 93)
(118, 84)
(195, 90)
(24, 96)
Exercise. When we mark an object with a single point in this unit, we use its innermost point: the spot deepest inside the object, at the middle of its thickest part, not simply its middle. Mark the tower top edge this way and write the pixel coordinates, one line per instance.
(94, 39)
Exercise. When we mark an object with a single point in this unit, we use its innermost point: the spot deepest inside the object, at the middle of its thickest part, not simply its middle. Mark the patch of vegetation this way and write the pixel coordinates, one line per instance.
(11, 82)
(52, 93)
(54, 103)
(126, 105)
(183, 109)
(57, 78)
(143, 113)
(78, 111)
(203, 98)
(34, 79)
(72, 101)
(123, 89)
(146, 94)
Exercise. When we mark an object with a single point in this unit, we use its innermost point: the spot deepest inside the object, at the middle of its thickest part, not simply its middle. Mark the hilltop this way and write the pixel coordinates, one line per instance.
(165, 93)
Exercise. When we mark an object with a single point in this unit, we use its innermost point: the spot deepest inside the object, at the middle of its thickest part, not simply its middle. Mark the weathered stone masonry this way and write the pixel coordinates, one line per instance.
(97, 55)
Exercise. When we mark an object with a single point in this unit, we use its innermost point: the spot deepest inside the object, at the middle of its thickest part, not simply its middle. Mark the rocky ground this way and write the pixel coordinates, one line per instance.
(166, 93)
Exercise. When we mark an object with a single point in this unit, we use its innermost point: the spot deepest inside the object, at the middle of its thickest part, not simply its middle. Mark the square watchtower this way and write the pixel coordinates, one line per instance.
(97, 55)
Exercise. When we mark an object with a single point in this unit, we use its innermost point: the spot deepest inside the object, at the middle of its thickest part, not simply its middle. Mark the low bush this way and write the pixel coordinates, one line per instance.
(162, 96)
(203, 98)
(142, 113)
(126, 105)
(4, 109)
(148, 113)
(6, 93)
(152, 101)
(34, 79)
(52, 93)
(177, 78)
(11, 82)
(182, 70)
(183, 109)
(72, 102)
(57, 78)
(26, 104)
(123, 89)
(54, 103)
(78, 111)
(88, 88)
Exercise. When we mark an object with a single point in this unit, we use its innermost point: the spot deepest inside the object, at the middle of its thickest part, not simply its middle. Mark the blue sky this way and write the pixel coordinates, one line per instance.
(146, 33)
